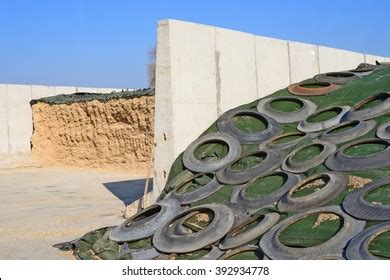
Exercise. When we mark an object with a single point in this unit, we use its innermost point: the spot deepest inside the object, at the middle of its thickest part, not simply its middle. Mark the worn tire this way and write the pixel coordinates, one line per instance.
(307, 108)
(274, 249)
(272, 161)
(284, 146)
(139, 227)
(358, 247)
(202, 192)
(335, 186)
(356, 206)
(225, 125)
(306, 126)
(357, 112)
(301, 89)
(339, 161)
(194, 164)
(338, 78)
(361, 128)
(239, 236)
(336, 256)
(303, 166)
(253, 204)
(168, 242)
(384, 131)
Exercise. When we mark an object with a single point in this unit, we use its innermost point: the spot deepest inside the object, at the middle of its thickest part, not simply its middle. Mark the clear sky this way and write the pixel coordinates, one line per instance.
(105, 43)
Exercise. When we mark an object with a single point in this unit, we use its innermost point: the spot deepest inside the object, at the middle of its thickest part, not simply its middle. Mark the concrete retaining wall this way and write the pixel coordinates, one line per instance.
(202, 71)
(16, 116)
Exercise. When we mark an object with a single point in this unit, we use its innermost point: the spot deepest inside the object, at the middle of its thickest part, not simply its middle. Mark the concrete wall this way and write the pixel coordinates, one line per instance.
(16, 116)
(202, 71)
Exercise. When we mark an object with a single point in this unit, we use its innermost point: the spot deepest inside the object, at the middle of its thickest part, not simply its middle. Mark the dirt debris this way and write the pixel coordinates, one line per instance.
(355, 182)
(323, 217)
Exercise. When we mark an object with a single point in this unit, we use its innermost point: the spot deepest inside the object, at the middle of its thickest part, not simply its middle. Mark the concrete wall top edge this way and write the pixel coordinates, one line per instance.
(167, 21)
(60, 86)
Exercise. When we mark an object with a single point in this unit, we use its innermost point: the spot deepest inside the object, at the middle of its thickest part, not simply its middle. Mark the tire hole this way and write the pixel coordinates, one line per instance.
(380, 245)
(308, 152)
(265, 185)
(249, 161)
(379, 195)
(311, 230)
(211, 151)
(289, 137)
(324, 115)
(365, 149)
(250, 123)
(287, 105)
(344, 127)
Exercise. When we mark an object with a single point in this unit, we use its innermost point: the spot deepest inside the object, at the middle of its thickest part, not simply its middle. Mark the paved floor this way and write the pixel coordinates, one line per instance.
(40, 207)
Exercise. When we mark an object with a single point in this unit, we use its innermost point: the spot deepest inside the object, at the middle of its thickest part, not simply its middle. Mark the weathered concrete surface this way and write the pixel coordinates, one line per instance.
(345, 59)
(270, 76)
(40, 207)
(303, 61)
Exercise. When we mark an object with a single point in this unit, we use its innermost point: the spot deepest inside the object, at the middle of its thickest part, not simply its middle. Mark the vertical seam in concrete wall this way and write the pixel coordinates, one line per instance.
(289, 61)
(217, 75)
(218, 82)
(256, 77)
(365, 58)
(318, 59)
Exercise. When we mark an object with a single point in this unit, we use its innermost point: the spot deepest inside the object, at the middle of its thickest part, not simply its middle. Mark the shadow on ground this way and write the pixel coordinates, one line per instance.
(128, 191)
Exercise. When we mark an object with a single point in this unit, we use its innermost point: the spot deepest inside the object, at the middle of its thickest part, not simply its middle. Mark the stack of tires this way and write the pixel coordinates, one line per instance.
(310, 139)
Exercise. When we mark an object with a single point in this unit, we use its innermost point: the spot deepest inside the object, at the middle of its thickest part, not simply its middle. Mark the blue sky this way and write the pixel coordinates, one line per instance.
(105, 43)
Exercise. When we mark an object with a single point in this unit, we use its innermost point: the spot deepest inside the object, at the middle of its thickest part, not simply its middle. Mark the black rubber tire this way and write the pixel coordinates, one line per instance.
(339, 161)
(285, 146)
(165, 240)
(133, 229)
(363, 71)
(355, 204)
(356, 113)
(361, 128)
(308, 107)
(240, 216)
(202, 192)
(194, 164)
(303, 166)
(384, 131)
(214, 254)
(272, 161)
(306, 126)
(358, 247)
(175, 182)
(254, 204)
(335, 186)
(337, 256)
(225, 125)
(239, 236)
(245, 248)
(274, 249)
(338, 78)
(302, 89)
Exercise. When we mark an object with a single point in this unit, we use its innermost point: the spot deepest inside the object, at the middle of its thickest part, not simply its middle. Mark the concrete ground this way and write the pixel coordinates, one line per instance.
(43, 206)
